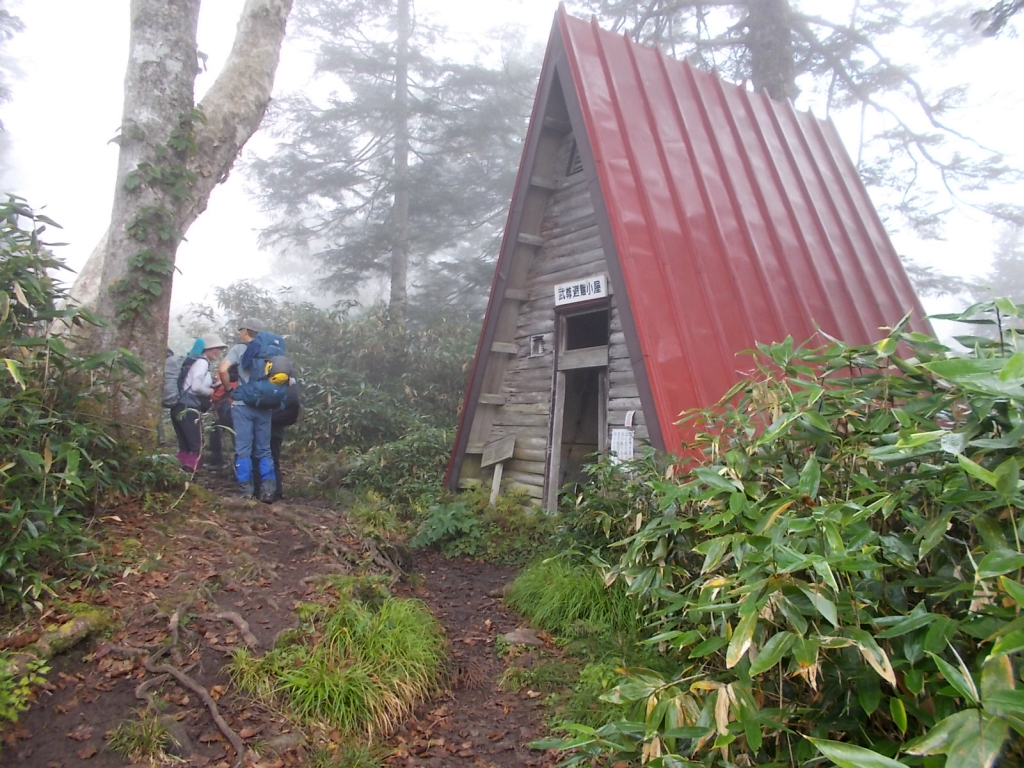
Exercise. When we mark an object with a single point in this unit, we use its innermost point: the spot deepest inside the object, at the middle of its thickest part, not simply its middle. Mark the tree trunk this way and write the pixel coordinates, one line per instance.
(400, 212)
(171, 157)
(770, 42)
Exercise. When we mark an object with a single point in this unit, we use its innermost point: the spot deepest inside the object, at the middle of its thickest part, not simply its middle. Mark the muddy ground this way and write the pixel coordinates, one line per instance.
(215, 574)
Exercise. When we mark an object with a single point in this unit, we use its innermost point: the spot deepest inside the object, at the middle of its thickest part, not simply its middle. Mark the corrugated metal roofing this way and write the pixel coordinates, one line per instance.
(736, 219)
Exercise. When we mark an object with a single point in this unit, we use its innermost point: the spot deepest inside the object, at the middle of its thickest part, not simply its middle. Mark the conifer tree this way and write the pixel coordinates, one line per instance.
(405, 166)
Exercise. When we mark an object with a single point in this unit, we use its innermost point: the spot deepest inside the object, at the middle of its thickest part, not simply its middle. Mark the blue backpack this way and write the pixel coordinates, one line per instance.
(263, 358)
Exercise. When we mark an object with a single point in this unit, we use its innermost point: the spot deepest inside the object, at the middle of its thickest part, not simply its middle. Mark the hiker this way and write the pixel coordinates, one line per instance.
(279, 421)
(195, 385)
(251, 424)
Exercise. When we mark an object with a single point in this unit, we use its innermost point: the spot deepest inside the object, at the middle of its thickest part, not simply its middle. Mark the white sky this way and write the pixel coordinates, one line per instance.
(66, 107)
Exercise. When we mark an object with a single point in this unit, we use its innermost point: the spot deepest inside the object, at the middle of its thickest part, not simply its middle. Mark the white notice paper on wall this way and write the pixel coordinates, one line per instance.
(622, 445)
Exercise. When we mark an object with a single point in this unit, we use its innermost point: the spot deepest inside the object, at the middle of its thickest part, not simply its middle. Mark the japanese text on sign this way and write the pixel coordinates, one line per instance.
(595, 287)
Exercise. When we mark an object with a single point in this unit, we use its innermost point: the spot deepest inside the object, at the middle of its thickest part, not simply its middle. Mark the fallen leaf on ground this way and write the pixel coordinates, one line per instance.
(67, 706)
(81, 733)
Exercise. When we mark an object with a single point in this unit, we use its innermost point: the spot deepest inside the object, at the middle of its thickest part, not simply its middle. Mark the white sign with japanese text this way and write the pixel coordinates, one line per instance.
(622, 445)
(584, 289)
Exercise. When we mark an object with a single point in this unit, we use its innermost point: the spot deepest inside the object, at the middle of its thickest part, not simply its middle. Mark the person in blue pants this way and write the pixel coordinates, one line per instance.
(251, 425)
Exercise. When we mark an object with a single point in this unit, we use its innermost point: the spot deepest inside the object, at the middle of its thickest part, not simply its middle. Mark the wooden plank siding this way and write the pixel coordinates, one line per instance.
(570, 249)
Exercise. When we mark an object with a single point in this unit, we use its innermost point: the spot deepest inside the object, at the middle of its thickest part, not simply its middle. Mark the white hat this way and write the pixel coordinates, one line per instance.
(213, 341)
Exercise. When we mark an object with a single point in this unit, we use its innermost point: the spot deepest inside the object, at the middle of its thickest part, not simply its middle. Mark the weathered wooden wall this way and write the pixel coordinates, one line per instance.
(571, 249)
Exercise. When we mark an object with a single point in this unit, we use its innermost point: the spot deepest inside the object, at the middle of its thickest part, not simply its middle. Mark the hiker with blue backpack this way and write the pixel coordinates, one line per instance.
(263, 380)
(187, 388)
(286, 417)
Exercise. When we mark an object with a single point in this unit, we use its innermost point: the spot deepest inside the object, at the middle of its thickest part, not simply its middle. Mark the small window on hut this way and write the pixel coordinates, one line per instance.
(589, 329)
(575, 160)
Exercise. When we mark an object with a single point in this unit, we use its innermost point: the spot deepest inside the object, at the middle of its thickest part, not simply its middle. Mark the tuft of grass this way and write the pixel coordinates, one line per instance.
(572, 600)
(359, 668)
(374, 516)
(144, 738)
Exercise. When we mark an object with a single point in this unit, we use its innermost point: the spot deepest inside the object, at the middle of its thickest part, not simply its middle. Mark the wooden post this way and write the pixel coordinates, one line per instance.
(496, 482)
(495, 453)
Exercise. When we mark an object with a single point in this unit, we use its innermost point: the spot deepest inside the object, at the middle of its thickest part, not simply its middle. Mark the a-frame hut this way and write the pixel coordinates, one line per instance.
(662, 222)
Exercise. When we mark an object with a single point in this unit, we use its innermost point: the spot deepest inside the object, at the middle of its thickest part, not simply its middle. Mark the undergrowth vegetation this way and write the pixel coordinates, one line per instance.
(568, 596)
(468, 525)
(16, 687)
(58, 461)
(839, 578)
(357, 665)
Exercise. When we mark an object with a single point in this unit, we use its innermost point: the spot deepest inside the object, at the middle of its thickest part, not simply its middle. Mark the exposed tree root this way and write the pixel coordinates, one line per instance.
(239, 622)
(343, 544)
(142, 689)
(164, 670)
(187, 682)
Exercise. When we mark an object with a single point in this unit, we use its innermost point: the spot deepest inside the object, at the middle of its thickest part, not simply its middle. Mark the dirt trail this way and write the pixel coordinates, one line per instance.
(233, 575)
(474, 723)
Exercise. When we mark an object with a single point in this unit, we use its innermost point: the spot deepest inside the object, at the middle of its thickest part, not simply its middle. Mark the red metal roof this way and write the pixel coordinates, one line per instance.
(736, 219)
(726, 218)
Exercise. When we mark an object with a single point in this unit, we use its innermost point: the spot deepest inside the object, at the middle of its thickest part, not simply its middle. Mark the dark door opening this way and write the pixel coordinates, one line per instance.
(580, 423)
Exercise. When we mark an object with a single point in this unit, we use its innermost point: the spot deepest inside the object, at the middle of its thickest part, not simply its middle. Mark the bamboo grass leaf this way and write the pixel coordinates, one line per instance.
(999, 562)
(823, 605)
(1014, 589)
(851, 756)
(873, 653)
(932, 533)
(976, 470)
(997, 679)
(741, 639)
(936, 741)
(964, 684)
(1012, 642)
(898, 712)
(772, 652)
(978, 742)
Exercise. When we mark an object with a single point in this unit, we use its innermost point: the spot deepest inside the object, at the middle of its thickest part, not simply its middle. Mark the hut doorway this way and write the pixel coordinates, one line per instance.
(579, 426)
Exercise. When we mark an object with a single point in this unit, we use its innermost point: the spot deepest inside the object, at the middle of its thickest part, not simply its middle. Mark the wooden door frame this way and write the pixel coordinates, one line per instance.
(566, 361)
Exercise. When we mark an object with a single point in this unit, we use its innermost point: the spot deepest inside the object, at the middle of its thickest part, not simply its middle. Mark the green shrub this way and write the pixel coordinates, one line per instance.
(842, 577)
(468, 526)
(16, 689)
(58, 462)
(407, 471)
(455, 527)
